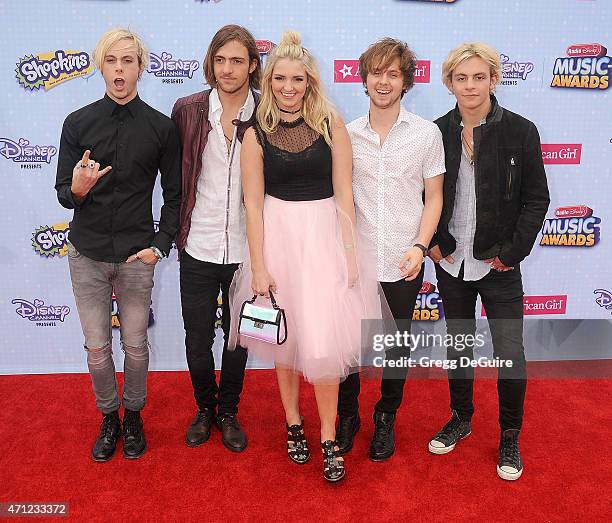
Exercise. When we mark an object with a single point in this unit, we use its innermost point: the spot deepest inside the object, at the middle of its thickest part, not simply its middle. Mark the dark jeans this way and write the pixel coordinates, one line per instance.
(401, 296)
(501, 294)
(200, 285)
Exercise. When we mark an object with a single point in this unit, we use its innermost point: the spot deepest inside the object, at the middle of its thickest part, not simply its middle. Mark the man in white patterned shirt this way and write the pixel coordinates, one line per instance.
(397, 156)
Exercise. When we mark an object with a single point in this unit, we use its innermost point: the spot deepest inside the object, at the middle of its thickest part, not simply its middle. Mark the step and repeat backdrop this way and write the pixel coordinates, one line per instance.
(556, 72)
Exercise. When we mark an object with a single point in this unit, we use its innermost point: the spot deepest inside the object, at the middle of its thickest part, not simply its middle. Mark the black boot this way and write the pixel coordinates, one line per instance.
(383, 442)
(348, 426)
(231, 434)
(199, 430)
(134, 442)
(110, 430)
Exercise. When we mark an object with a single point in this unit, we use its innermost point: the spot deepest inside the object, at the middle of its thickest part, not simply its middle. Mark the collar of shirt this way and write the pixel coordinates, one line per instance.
(112, 107)
(216, 108)
(403, 116)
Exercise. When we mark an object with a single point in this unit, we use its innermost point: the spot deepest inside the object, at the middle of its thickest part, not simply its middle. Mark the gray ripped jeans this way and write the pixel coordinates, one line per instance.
(93, 283)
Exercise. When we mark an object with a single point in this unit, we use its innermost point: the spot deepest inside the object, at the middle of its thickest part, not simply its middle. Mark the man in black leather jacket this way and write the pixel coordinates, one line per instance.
(495, 200)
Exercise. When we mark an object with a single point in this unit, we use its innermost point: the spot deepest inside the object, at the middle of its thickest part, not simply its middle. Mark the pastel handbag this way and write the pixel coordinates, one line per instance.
(263, 323)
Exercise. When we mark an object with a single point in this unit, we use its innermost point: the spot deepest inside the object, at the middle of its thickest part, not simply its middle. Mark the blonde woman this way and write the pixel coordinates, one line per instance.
(296, 174)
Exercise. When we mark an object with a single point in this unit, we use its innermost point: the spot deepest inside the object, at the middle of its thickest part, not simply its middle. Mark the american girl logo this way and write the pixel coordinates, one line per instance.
(53, 68)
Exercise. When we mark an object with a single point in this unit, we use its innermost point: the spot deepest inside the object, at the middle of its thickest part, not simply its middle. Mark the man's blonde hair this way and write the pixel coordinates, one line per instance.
(466, 51)
(113, 36)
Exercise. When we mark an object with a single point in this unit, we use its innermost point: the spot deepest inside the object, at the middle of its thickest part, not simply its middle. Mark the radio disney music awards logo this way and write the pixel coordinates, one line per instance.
(51, 240)
(513, 71)
(265, 48)
(585, 66)
(572, 226)
(43, 315)
(49, 69)
(603, 298)
(561, 153)
(171, 70)
(428, 305)
(116, 314)
(541, 305)
(27, 155)
(347, 71)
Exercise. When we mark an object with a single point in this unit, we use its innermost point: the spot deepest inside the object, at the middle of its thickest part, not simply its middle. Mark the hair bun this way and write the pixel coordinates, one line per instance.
(290, 39)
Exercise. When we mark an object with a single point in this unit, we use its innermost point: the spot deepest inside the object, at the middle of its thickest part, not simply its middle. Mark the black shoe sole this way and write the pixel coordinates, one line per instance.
(197, 443)
(104, 460)
(378, 459)
(135, 456)
(234, 449)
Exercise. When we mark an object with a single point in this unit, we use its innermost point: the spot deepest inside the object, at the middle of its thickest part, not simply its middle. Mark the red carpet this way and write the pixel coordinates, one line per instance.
(48, 424)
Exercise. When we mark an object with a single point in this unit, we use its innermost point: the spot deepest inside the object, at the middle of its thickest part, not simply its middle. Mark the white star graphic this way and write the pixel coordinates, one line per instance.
(346, 71)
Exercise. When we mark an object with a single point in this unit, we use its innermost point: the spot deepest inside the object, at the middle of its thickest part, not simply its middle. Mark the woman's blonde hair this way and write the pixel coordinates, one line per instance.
(466, 51)
(111, 37)
(317, 110)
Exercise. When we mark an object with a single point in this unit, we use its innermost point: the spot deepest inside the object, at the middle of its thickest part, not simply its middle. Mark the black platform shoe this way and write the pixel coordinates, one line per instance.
(297, 446)
(333, 468)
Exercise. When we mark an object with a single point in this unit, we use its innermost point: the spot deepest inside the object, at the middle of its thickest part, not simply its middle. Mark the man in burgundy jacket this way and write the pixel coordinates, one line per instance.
(212, 234)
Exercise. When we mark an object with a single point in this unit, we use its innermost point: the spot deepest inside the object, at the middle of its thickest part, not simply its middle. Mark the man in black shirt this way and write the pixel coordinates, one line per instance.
(113, 244)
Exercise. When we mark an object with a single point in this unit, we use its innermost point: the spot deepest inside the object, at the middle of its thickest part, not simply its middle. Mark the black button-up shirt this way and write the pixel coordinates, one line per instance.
(116, 219)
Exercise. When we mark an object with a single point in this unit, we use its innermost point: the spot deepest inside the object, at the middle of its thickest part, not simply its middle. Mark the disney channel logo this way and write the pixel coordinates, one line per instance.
(512, 71)
(604, 299)
(428, 305)
(40, 313)
(586, 66)
(572, 226)
(22, 151)
(51, 240)
(166, 67)
(52, 68)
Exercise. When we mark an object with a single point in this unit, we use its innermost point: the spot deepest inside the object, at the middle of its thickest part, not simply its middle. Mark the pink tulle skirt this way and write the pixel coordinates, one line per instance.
(305, 254)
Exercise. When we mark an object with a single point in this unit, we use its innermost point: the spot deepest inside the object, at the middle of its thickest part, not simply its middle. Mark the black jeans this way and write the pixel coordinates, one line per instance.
(200, 285)
(401, 296)
(501, 294)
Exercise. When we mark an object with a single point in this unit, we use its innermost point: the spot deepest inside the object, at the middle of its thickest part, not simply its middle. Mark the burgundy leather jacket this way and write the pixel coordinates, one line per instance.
(190, 114)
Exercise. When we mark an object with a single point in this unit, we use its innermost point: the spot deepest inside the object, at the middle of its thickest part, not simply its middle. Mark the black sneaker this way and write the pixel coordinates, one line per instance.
(348, 426)
(232, 435)
(510, 465)
(106, 443)
(453, 432)
(383, 442)
(134, 442)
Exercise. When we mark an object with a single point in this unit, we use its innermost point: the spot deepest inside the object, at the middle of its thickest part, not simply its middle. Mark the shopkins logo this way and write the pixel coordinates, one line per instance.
(53, 68)
(43, 315)
(21, 151)
(165, 66)
(586, 66)
(428, 305)
(51, 240)
(347, 71)
(572, 226)
(513, 71)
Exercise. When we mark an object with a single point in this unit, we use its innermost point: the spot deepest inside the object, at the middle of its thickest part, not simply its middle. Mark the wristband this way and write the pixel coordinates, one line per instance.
(158, 254)
(422, 247)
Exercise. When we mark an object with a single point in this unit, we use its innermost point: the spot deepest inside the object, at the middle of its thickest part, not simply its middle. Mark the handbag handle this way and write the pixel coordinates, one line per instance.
(274, 305)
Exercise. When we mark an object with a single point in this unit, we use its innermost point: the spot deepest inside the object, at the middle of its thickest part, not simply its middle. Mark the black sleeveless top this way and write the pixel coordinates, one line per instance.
(297, 162)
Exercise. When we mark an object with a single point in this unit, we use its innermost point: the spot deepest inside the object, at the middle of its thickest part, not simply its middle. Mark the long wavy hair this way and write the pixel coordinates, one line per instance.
(317, 110)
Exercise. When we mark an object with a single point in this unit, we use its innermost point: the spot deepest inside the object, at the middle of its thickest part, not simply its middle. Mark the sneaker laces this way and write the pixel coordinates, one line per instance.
(451, 431)
(509, 451)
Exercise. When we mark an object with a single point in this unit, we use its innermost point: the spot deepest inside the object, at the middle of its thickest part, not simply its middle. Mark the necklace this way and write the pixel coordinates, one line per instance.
(468, 144)
(289, 112)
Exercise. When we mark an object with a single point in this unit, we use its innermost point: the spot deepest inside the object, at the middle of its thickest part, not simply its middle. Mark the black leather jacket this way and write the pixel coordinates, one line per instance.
(511, 189)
